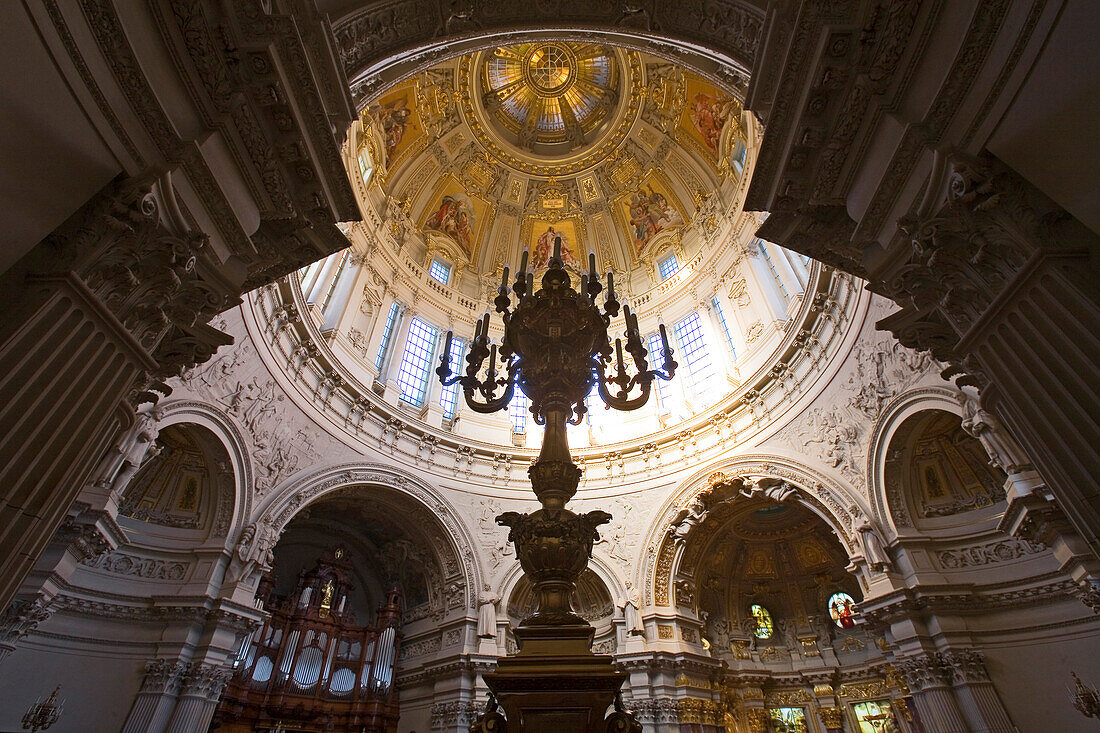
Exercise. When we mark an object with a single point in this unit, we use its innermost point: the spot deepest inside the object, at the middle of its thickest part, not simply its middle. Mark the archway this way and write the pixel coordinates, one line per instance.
(380, 45)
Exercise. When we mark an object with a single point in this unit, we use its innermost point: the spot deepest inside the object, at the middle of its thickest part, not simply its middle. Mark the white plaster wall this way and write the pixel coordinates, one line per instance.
(97, 684)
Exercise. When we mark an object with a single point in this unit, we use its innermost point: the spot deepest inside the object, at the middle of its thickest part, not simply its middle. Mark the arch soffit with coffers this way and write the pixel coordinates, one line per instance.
(301, 491)
(189, 412)
(838, 505)
(891, 512)
(717, 39)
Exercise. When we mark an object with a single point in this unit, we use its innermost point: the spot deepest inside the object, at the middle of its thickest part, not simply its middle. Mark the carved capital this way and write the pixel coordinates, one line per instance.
(163, 676)
(205, 680)
(22, 616)
(924, 671)
(966, 665)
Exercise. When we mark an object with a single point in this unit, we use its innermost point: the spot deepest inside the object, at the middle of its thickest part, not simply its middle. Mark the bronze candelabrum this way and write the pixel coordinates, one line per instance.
(555, 348)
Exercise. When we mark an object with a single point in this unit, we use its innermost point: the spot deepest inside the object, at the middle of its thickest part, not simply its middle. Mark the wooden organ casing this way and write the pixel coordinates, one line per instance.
(311, 666)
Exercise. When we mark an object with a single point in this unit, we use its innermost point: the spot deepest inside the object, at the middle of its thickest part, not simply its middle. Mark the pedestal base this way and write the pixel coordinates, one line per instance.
(556, 684)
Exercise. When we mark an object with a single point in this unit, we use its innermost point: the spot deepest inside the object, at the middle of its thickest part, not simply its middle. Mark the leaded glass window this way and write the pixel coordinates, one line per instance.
(387, 334)
(416, 363)
(775, 272)
(668, 266)
(762, 622)
(448, 398)
(725, 325)
(518, 412)
(694, 354)
(656, 361)
(842, 609)
(440, 271)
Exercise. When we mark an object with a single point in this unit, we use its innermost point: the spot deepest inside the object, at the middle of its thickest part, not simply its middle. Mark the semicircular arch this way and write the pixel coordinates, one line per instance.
(838, 506)
(888, 503)
(719, 41)
(182, 412)
(294, 496)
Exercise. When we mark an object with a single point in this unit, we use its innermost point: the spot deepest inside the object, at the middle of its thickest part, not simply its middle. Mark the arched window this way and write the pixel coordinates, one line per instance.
(366, 165)
(440, 271)
(448, 398)
(417, 362)
(842, 609)
(518, 412)
(763, 626)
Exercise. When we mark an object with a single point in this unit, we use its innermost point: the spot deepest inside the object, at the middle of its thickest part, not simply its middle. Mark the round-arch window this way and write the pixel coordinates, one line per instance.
(842, 609)
(762, 620)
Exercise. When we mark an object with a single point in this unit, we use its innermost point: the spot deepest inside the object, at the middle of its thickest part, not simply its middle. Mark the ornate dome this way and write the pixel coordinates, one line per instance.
(462, 168)
(549, 98)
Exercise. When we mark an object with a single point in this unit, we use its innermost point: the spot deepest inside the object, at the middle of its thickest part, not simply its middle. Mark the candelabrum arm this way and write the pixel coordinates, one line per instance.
(490, 405)
(619, 402)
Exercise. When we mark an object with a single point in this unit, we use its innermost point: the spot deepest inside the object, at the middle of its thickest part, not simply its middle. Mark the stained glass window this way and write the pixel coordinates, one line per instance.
(668, 266)
(440, 271)
(874, 716)
(842, 609)
(416, 363)
(788, 720)
(448, 398)
(763, 622)
(387, 334)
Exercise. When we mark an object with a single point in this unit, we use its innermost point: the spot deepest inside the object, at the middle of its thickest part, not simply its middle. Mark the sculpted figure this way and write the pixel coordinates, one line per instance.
(687, 520)
(631, 616)
(487, 616)
(873, 549)
(136, 446)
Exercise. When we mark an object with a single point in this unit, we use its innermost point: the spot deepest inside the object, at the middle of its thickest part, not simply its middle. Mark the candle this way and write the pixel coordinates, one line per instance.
(664, 340)
(447, 350)
(523, 261)
(557, 249)
(530, 283)
(584, 287)
(592, 264)
(504, 279)
(619, 354)
(610, 285)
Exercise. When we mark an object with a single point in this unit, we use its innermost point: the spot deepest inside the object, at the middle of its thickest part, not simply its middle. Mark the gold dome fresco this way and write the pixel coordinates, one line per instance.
(550, 97)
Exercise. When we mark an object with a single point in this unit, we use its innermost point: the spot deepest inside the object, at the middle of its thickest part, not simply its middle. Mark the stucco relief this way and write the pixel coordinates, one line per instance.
(839, 433)
(283, 441)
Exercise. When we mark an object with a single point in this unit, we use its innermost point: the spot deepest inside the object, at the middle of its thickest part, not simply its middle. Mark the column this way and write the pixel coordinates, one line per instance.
(976, 695)
(95, 317)
(22, 616)
(157, 698)
(929, 680)
(1001, 285)
(345, 284)
(320, 284)
(200, 689)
